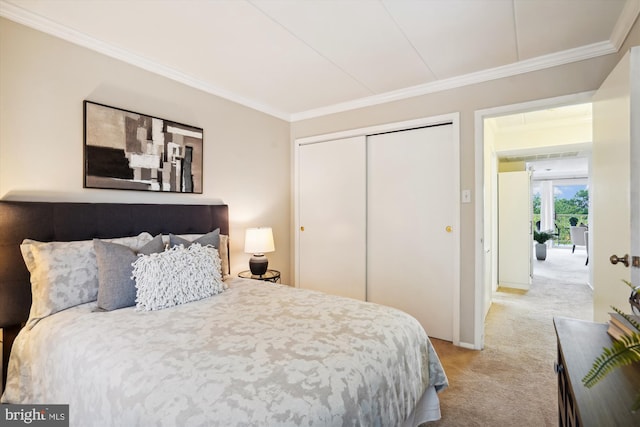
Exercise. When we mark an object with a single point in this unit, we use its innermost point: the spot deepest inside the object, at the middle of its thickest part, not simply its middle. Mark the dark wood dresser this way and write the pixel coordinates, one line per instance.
(607, 403)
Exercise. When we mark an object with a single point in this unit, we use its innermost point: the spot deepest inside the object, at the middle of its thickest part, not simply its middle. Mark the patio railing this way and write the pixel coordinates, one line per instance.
(562, 226)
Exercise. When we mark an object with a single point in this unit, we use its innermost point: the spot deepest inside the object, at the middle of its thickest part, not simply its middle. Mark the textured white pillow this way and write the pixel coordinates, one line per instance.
(65, 274)
(177, 276)
(223, 250)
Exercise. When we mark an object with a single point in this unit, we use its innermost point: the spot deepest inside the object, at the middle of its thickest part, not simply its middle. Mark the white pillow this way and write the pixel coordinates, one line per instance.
(223, 250)
(177, 276)
(65, 274)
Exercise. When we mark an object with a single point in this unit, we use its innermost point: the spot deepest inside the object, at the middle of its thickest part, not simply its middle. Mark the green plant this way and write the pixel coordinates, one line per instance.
(542, 236)
(622, 352)
(573, 221)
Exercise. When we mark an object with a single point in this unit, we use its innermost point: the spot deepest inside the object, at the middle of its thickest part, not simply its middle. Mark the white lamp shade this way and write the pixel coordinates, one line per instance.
(259, 240)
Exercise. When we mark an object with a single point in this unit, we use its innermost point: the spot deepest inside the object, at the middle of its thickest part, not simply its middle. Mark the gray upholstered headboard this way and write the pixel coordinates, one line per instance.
(81, 221)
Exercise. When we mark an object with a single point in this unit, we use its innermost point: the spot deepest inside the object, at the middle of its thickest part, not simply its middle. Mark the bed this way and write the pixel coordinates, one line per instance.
(251, 354)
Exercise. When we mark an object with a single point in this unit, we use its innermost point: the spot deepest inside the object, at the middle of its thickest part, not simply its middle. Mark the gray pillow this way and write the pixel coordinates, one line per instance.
(116, 288)
(212, 238)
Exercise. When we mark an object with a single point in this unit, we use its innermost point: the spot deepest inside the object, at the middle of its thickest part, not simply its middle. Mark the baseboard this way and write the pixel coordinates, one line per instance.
(519, 286)
(468, 346)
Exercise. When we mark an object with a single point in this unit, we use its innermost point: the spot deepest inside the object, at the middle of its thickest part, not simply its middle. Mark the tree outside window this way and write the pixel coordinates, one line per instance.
(571, 204)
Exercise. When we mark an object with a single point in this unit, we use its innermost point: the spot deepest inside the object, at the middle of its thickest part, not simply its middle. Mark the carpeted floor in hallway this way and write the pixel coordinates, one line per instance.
(511, 382)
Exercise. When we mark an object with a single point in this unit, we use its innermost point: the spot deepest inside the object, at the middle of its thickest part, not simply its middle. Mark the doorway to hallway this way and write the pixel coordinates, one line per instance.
(508, 139)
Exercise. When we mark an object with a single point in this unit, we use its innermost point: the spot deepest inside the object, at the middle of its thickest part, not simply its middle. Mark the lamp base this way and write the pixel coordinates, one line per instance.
(258, 264)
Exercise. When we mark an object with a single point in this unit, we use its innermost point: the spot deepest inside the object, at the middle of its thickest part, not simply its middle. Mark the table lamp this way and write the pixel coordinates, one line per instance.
(258, 241)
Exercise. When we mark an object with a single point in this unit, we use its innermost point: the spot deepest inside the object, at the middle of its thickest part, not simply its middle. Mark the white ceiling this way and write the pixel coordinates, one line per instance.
(559, 169)
(569, 115)
(296, 59)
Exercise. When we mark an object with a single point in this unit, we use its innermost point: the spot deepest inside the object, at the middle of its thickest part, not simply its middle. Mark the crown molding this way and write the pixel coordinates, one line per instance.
(627, 18)
(37, 22)
(521, 67)
(624, 24)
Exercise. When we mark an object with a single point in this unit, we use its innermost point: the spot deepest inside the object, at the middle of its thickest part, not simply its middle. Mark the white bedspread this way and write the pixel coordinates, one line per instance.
(256, 355)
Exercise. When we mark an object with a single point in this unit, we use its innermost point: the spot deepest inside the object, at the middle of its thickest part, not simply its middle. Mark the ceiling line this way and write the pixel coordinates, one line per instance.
(515, 28)
(422, 59)
(354, 78)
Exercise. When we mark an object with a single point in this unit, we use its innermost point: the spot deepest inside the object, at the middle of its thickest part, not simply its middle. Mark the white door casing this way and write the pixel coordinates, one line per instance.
(634, 182)
(485, 203)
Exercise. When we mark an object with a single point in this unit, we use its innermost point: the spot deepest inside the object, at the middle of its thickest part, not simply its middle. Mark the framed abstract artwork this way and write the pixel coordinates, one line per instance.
(131, 151)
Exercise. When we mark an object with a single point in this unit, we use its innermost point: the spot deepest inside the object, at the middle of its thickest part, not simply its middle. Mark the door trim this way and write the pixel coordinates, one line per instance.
(480, 116)
(454, 119)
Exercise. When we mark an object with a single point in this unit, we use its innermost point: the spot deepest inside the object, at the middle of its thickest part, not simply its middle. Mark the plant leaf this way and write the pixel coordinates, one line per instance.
(623, 352)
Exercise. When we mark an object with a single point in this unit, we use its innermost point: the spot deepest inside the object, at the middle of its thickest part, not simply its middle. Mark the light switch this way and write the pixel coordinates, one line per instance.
(466, 196)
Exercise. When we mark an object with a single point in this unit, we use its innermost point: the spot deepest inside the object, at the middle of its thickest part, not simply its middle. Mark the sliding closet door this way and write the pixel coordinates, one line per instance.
(332, 217)
(411, 208)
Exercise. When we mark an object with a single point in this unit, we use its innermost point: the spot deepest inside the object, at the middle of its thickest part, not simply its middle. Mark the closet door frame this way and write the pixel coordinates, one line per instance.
(454, 119)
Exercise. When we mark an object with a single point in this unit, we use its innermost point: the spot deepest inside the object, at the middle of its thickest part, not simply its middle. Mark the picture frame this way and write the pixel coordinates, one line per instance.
(125, 150)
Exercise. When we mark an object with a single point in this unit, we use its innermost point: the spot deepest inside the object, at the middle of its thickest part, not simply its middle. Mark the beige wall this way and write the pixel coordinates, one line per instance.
(563, 80)
(43, 81)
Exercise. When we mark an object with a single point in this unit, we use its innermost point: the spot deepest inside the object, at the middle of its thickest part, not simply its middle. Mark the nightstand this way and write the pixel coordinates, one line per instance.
(272, 276)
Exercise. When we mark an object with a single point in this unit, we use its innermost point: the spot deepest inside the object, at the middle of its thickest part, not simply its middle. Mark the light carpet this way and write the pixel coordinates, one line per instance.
(512, 382)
